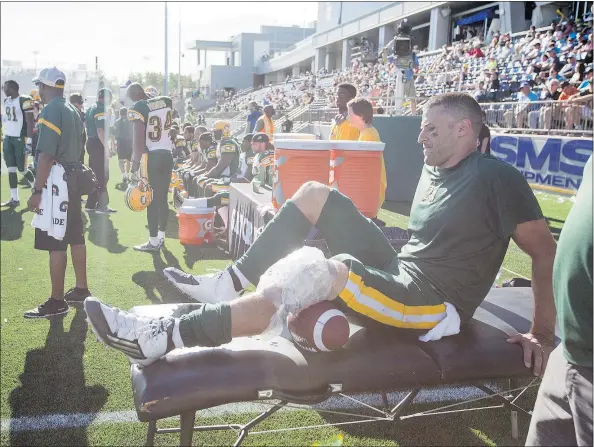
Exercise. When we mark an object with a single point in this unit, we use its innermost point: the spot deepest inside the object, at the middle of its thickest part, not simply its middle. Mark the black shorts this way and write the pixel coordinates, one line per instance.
(124, 150)
(74, 225)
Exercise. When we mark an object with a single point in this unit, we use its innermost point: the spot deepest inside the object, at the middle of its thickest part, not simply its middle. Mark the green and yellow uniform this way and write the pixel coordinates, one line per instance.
(95, 119)
(461, 222)
(229, 146)
(60, 131)
(156, 114)
(15, 130)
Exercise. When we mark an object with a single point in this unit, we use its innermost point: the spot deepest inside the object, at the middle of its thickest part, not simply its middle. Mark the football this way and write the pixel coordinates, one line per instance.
(319, 328)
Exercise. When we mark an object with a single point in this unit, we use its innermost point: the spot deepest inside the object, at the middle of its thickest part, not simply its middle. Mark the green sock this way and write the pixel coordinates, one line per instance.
(284, 233)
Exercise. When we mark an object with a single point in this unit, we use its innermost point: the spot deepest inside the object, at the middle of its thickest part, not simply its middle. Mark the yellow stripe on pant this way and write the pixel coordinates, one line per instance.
(144, 167)
(377, 306)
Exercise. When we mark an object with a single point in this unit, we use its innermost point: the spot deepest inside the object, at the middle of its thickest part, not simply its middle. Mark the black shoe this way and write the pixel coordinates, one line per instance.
(11, 203)
(76, 295)
(50, 308)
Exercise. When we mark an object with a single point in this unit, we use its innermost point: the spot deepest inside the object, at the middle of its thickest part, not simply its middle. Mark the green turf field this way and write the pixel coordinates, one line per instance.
(57, 367)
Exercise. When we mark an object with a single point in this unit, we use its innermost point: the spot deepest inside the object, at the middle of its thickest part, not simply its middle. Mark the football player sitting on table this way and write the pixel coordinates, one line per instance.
(180, 152)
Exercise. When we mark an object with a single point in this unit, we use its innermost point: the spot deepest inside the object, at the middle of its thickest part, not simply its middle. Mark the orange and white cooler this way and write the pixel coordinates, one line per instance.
(294, 136)
(297, 162)
(355, 170)
(196, 225)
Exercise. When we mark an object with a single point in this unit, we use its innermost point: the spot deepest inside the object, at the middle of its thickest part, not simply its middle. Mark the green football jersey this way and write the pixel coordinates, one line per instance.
(230, 146)
(157, 114)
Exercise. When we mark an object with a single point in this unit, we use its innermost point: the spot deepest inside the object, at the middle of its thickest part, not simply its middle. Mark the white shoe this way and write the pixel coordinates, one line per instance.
(144, 340)
(214, 288)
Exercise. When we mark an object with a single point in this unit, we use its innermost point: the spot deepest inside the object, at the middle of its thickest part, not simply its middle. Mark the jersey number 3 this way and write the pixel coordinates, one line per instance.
(12, 116)
(155, 122)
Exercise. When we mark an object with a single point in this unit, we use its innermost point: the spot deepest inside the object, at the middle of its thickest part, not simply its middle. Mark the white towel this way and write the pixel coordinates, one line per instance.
(52, 215)
(450, 325)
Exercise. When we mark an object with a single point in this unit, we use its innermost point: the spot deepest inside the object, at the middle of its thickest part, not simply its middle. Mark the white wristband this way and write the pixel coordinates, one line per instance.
(28, 140)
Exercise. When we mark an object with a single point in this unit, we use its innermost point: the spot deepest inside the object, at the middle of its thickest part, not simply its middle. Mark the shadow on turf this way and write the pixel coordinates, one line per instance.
(158, 290)
(447, 430)
(172, 231)
(53, 382)
(12, 223)
(102, 233)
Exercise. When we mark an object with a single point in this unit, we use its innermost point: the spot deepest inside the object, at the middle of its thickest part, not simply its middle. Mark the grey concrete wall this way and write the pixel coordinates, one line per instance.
(329, 13)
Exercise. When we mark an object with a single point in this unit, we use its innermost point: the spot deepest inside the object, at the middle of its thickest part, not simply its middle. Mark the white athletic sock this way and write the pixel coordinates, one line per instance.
(176, 336)
(154, 240)
(242, 279)
(14, 193)
(161, 235)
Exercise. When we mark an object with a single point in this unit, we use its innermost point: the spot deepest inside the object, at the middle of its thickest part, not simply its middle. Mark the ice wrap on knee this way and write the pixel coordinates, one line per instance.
(299, 280)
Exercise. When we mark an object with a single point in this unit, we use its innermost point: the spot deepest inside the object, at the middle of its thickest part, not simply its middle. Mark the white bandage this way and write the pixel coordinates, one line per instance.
(301, 279)
(12, 170)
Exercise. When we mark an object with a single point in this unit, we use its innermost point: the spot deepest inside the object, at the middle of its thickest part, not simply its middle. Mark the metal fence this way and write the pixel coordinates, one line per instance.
(543, 117)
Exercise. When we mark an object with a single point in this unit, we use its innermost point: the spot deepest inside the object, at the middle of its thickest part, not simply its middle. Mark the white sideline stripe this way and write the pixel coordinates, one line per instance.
(513, 273)
(81, 420)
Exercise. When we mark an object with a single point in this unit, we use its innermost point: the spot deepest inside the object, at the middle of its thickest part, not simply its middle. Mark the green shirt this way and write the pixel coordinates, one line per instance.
(572, 277)
(157, 115)
(461, 222)
(96, 119)
(60, 131)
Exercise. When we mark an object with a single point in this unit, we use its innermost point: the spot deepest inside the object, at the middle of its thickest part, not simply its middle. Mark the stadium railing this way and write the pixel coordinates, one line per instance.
(542, 117)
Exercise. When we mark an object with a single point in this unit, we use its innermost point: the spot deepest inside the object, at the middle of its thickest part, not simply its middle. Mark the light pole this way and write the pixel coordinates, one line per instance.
(165, 89)
(179, 56)
(35, 53)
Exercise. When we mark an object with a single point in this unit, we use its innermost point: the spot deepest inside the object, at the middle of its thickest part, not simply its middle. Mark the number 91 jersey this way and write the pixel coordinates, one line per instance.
(157, 115)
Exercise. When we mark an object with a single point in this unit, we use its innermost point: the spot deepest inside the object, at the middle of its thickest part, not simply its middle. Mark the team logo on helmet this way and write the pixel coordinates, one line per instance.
(151, 91)
(139, 197)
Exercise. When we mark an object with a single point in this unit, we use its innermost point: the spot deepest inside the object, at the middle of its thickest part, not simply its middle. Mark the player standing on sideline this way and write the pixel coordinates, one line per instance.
(18, 139)
(152, 118)
(98, 130)
(123, 136)
(76, 100)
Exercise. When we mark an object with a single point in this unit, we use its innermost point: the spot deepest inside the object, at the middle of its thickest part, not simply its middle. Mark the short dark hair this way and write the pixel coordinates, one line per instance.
(201, 129)
(363, 108)
(76, 98)
(14, 84)
(462, 105)
(186, 125)
(190, 129)
(206, 136)
(349, 88)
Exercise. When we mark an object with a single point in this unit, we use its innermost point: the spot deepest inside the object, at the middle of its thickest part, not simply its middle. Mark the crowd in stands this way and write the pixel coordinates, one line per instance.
(550, 64)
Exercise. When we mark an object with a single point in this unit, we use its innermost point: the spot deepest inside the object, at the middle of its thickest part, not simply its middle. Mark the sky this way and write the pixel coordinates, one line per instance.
(129, 36)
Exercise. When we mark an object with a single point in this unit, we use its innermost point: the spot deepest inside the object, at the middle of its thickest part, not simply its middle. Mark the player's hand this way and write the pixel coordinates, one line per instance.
(34, 202)
(537, 348)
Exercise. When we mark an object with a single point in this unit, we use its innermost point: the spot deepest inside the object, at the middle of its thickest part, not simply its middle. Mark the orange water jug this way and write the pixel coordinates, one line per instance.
(297, 162)
(355, 170)
(196, 225)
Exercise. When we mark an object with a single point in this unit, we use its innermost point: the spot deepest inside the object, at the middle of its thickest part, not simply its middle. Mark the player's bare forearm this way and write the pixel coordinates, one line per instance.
(223, 163)
(44, 166)
(543, 321)
(536, 240)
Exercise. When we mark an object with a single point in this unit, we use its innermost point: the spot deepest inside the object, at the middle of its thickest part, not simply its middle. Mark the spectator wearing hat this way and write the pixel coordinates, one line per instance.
(263, 163)
(59, 144)
(98, 130)
(569, 68)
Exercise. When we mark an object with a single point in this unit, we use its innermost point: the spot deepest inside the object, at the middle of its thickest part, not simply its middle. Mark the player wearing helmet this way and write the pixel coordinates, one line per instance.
(152, 118)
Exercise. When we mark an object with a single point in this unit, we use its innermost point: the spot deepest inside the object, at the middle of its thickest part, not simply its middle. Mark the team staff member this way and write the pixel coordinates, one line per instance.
(341, 128)
(563, 410)
(360, 116)
(151, 120)
(98, 125)
(263, 164)
(60, 140)
(18, 126)
(265, 123)
(76, 100)
(446, 259)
